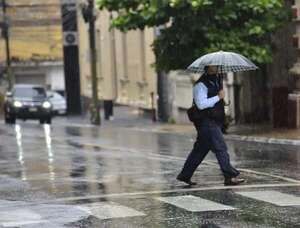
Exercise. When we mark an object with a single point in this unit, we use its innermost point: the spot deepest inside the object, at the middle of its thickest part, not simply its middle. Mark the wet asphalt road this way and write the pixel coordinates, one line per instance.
(80, 176)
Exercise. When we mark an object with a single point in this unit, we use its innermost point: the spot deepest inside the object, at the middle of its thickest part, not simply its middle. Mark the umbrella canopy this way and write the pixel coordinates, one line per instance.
(226, 62)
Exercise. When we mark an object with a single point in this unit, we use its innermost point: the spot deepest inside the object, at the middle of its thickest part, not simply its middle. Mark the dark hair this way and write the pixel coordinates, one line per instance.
(206, 69)
(205, 73)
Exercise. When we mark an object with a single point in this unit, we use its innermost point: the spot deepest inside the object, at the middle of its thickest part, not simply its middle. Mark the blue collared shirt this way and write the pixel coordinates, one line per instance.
(200, 97)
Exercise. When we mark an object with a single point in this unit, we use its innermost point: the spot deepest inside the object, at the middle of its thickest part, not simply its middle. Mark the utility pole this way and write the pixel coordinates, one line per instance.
(88, 12)
(5, 32)
(71, 56)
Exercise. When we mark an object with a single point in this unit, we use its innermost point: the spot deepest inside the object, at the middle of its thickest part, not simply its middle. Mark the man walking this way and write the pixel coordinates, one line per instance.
(208, 97)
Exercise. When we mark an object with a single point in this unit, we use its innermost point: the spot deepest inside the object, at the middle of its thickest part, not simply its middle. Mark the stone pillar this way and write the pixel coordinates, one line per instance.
(229, 92)
(294, 97)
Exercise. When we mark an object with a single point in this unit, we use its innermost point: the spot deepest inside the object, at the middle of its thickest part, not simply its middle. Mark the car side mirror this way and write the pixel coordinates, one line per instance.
(50, 96)
(9, 94)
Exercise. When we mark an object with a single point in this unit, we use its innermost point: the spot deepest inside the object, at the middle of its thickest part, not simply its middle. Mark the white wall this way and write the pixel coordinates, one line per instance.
(125, 72)
(55, 78)
(48, 74)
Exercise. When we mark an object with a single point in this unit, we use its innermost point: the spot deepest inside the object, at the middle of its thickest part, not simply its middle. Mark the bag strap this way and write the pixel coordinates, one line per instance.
(194, 103)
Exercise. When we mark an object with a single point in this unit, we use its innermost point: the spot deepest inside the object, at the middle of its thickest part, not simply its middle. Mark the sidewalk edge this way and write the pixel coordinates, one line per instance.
(294, 142)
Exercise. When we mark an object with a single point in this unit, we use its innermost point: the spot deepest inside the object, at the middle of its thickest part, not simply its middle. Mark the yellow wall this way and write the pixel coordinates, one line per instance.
(38, 42)
(124, 64)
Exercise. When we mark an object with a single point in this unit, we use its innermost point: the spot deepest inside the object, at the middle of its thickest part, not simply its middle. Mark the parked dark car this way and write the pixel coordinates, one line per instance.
(27, 102)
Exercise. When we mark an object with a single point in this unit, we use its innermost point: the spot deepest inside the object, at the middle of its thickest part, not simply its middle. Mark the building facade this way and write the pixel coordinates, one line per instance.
(35, 38)
(49, 74)
(126, 73)
(124, 66)
(126, 76)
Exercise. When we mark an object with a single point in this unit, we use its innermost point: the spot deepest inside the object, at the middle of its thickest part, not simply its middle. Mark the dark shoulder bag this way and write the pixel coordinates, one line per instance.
(194, 114)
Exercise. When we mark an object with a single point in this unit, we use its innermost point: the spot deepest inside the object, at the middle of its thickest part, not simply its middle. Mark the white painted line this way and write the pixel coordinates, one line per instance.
(273, 197)
(135, 194)
(17, 224)
(194, 204)
(19, 214)
(19, 217)
(143, 194)
(109, 210)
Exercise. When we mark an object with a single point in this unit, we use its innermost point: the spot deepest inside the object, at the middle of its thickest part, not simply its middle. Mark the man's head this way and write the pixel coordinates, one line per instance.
(211, 69)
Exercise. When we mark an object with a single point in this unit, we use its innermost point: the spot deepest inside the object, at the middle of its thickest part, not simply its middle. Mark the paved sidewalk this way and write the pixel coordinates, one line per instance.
(280, 133)
(265, 134)
(258, 133)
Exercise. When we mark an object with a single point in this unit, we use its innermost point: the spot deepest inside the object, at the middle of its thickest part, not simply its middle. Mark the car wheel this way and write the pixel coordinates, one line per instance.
(13, 120)
(7, 120)
(42, 121)
(48, 120)
(10, 120)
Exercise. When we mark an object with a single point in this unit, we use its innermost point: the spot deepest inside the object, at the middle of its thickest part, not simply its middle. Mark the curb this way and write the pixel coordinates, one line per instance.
(258, 139)
(293, 142)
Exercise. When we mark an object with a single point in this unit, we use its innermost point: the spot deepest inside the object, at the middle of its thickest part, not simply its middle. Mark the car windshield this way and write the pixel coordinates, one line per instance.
(30, 92)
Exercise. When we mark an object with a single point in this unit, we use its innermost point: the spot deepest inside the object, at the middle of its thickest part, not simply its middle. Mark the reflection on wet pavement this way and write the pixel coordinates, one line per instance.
(129, 170)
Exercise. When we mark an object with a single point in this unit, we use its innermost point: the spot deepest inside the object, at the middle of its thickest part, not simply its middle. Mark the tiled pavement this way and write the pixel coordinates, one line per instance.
(185, 210)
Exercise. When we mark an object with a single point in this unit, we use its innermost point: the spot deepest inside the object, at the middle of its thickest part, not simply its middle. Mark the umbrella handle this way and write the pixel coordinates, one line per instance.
(224, 103)
(221, 80)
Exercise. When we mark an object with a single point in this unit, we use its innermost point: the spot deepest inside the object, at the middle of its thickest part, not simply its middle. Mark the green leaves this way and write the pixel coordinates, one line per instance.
(197, 4)
(196, 27)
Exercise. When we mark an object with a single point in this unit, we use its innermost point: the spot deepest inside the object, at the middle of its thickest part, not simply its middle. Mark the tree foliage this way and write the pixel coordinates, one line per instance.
(192, 28)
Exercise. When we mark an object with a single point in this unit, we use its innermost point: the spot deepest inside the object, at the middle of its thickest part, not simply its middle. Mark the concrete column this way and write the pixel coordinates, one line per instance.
(124, 80)
(294, 97)
(113, 60)
(229, 88)
(142, 83)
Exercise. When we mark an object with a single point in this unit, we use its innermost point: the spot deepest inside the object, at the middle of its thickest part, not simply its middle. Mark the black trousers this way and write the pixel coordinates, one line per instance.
(209, 137)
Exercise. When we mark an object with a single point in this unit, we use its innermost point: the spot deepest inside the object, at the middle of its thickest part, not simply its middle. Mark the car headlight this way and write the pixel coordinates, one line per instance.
(46, 105)
(18, 104)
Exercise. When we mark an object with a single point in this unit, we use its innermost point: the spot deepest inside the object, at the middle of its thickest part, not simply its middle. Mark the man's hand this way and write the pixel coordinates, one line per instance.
(221, 94)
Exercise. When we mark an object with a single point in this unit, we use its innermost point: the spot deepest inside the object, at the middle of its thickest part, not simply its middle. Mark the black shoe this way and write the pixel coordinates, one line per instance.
(233, 181)
(187, 181)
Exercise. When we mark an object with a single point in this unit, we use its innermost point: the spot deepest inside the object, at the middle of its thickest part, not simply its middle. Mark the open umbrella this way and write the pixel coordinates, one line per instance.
(226, 62)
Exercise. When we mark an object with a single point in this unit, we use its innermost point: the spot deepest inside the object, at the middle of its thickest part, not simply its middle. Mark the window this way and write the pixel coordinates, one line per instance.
(30, 92)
